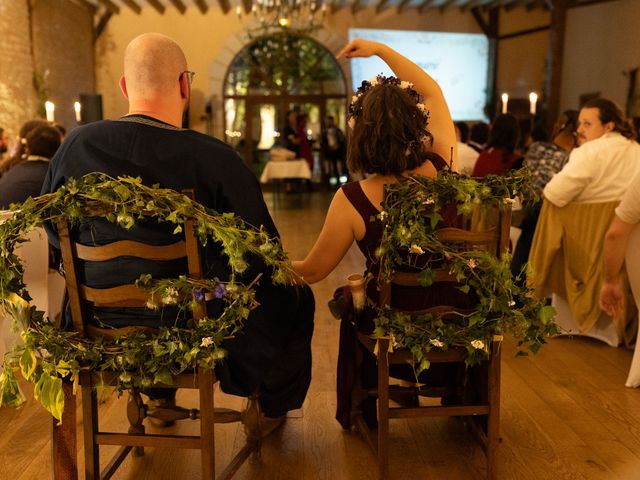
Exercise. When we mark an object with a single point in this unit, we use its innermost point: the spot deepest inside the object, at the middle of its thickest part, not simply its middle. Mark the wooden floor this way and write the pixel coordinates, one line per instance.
(565, 412)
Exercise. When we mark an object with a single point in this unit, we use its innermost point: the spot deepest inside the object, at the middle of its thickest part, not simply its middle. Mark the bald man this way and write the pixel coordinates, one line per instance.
(272, 356)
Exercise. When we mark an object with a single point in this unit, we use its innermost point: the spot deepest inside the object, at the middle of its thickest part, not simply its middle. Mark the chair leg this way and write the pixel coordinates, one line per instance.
(383, 408)
(135, 415)
(90, 427)
(207, 429)
(493, 420)
(63, 439)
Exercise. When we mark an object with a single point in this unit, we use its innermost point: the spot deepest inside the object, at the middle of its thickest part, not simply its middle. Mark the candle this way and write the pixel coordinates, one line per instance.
(533, 99)
(505, 101)
(50, 108)
(239, 11)
(77, 107)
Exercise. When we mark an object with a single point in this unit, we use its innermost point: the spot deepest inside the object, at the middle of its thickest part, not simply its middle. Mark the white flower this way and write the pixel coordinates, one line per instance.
(394, 343)
(416, 249)
(473, 263)
(405, 233)
(511, 303)
(374, 81)
(206, 342)
(382, 215)
(151, 304)
(171, 296)
(354, 99)
(436, 343)
(404, 84)
(477, 344)
(421, 107)
(429, 201)
(352, 123)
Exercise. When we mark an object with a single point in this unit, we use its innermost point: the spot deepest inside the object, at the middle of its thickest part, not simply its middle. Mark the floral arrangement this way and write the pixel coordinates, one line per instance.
(411, 213)
(49, 354)
(355, 107)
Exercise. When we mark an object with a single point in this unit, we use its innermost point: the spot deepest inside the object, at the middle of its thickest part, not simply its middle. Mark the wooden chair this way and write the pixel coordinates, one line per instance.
(482, 412)
(64, 443)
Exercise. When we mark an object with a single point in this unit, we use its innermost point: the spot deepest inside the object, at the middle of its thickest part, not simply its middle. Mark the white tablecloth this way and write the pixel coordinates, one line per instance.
(288, 169)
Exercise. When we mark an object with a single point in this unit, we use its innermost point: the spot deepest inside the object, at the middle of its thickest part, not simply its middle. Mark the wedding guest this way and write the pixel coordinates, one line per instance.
(272, 354)
(499, 156)
(389, 140)
(608, 158)
(4, 144)
(305, 146)
(291, 135)
(333, 147)
(25, 178)
(18, 151)
(478, 136)
(467, 156)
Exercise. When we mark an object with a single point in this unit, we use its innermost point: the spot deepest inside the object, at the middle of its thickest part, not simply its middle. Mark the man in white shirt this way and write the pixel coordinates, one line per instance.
(601, 169)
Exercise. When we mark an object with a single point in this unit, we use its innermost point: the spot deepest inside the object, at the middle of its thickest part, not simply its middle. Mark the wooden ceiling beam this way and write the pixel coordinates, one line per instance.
(133, 6)
(157, 5)
(356, 6)
(203, 7)
(446, 4)
(181, 7)
(225, 6)
(424, 5)
(381, 5)
(402, 5)
(112, 7)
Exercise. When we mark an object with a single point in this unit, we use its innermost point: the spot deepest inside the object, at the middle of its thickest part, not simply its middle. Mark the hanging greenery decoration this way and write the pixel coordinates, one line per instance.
(412, 212)
(48, 354)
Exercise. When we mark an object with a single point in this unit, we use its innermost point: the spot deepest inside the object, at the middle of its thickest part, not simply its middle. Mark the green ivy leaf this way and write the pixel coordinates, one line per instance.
(425, 277)
(28, 363)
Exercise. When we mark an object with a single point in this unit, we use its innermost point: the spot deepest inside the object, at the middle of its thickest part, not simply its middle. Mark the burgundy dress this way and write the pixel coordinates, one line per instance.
(352, 356)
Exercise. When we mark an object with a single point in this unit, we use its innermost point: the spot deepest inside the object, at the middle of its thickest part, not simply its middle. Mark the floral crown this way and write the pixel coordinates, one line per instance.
(355, 108)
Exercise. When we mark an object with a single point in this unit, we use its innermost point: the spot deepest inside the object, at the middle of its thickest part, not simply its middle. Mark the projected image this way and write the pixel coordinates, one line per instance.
(457, 61)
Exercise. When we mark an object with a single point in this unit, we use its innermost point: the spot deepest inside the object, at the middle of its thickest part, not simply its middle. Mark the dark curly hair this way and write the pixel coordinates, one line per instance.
(389, 136)
(608, 111)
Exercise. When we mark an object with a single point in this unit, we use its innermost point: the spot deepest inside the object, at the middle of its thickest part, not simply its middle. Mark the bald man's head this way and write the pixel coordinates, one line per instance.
(152, 66)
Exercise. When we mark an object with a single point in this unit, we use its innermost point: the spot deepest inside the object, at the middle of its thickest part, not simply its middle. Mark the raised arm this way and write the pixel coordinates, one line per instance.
(440, 122)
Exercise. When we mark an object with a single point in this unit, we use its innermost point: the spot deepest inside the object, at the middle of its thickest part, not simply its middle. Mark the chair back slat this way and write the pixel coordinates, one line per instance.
(127, 295)
(121, 296)
(129, 248)
(450, 234)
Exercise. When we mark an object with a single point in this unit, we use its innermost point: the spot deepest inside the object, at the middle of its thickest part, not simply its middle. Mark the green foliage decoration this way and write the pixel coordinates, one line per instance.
(411, 214)
(48, 354)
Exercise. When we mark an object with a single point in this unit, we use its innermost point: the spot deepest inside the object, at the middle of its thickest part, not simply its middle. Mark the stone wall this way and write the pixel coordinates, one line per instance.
(41, 35)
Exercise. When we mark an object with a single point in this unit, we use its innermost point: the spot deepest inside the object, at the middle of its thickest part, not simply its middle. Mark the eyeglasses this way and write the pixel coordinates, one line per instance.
(190, 75)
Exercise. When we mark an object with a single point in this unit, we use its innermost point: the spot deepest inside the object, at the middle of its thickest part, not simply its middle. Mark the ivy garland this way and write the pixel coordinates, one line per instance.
(411, 213)
(48, 354)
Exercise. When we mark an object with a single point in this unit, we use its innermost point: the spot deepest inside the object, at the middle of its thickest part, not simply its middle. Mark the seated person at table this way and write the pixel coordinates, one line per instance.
(24, 178)
(272, 354)
(389, 140)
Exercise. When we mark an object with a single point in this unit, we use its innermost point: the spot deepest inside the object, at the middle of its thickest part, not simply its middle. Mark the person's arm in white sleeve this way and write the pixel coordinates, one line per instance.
(567, 184)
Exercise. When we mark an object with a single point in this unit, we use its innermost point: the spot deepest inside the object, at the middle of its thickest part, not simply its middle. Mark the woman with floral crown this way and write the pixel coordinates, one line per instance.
(389, 140)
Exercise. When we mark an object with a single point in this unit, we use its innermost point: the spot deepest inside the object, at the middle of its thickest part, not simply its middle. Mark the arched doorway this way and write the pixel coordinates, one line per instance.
(270, 76)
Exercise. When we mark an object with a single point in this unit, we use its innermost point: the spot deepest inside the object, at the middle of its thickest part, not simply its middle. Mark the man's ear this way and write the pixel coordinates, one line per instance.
(609, 126)
(123, 87)
(185, 88)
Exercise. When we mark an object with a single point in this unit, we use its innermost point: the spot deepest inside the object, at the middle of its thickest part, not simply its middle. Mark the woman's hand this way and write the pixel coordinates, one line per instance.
(359, 48)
